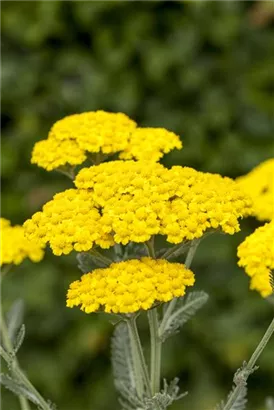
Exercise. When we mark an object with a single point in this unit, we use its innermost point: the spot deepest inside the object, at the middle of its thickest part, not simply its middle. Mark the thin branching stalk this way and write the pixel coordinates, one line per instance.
(107, 261)
(156, 347)
(150, 248)
(172, 304)
(247, 369)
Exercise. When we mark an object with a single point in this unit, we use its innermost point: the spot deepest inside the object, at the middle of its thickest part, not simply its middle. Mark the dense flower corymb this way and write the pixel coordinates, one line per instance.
(259, 184)
(128, 201)
(15, 247)
(70, 221)
(150, 144)
(129, 286)
(74, 138)
(256, 256)
(51, 154)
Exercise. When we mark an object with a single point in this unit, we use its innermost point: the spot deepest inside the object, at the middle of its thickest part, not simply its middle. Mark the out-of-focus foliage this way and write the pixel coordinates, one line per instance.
(202, 69)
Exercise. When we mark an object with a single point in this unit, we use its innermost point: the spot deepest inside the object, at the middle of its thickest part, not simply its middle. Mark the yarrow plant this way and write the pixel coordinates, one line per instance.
(113, 218)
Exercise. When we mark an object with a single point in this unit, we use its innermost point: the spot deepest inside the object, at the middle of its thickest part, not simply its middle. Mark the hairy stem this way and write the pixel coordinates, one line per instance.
(247, 369)
(156, 346)
(172, 304)
(107, 261)
(141, 372)
(150, 248)
(15, 369)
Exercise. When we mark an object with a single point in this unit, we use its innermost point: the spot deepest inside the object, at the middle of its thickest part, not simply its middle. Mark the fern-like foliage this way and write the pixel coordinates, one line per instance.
(17, 388)
(186, 308)
(123, 369)
(165, 397)
(239, 404)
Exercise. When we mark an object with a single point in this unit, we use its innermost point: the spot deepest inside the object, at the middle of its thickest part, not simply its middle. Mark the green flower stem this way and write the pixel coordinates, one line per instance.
(15, 369)
(141, 372)
(107, 261)
(248, 369)
(156, 347)
(172, 304)
(174, 251)
(150, 248)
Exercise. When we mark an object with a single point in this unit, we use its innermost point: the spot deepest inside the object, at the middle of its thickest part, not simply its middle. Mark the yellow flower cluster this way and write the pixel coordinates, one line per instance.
(15, 247)
(73, 137)
(70, 221)
(129, 286)
(51, 154)
(256, 256)
(124, 201)
(259, 184)
(150, 144)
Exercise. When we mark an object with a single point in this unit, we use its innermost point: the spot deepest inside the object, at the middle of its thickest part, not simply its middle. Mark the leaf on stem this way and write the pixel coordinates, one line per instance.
(19, 338)
(18, 388)
(5, 355)
(88, 262)
(186, 309)
(239, 404)
(166, 396)
(15, 318)
(122, 362)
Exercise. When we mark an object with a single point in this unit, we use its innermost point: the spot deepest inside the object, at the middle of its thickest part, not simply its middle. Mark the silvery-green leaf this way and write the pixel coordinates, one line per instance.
(15, 318)
(19, 338)
(88, 262)
(5, 355)
(17, 388)
(121, 358)
(186, 308)
(240, 402)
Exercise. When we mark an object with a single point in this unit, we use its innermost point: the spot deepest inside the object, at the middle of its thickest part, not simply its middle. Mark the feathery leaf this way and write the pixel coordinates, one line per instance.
(187, 307)
(17, 388)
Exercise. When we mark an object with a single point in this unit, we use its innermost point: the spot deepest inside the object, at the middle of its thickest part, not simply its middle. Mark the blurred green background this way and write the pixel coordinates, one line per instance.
(201, 69)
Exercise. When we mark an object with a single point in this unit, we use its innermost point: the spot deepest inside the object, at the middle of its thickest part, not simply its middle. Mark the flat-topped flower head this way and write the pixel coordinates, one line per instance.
(150, 144)
(77, 137)
(73, 137)
(51, 154)
(256, 256)
(130, 286)
(70, 221)
(15, 247)
(128, 201)
(142, 199)
(259, 184)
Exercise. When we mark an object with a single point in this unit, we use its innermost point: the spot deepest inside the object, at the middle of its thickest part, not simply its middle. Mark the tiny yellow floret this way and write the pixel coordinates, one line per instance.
(15, 247)
(256, 256)
(130, 286)
(259, 184)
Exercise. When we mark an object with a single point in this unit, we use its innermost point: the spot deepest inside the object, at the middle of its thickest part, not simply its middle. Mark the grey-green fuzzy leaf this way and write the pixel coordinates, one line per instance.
(17, 388)
(187, 307)
(15, 318)
(19, 338)
(239, 404)
(122, 359)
